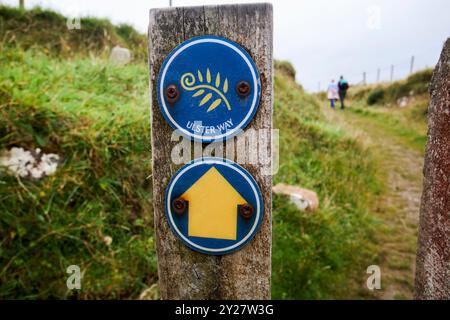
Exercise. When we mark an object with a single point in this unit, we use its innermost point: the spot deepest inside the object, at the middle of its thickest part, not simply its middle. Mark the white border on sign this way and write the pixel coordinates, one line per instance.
(255, 85)
(258, 205)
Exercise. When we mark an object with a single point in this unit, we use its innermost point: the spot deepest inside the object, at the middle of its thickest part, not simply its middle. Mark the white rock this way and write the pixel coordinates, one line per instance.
(300, 201)
(403, 102)
(25, 163)
(305, 200)
(120, 56)
(107, 240)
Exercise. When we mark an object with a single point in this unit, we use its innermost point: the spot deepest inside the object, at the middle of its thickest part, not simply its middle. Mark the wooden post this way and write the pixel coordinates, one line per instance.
(183, 273)
(22, 4)
(378, 75)
(392, 73)
(433, 251)
(411, 66)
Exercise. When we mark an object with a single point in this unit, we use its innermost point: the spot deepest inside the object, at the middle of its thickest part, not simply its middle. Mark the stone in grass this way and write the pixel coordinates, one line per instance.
(305, 200)
(403, 102)
(29, 164)
(120, 56)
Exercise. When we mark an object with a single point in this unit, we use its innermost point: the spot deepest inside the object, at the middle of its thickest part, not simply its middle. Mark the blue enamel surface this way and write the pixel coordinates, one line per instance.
(219, 56)
(241, 185)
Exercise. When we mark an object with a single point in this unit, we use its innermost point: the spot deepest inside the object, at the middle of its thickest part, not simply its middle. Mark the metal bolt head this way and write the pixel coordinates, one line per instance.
(246, 211)
(243, 89)
(172, 93)
(179, 206)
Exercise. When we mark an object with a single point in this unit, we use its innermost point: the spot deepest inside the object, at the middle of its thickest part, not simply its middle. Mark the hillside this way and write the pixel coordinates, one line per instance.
(400, 107)
(48, 31)
(95, 211)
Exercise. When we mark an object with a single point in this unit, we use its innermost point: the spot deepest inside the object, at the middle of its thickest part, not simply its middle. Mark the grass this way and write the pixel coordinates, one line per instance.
(286, 68)
(408, 124)
(397, 136)
(379, 103)
(314, 253)
(388, 93)
(95, 115)
(398, 126)
(96, 36)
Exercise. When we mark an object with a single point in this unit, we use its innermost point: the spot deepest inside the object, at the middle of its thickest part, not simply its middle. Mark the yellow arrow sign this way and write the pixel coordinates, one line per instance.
(213, 207)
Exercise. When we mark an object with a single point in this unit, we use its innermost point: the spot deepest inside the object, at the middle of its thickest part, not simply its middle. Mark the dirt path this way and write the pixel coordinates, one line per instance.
(397, 208)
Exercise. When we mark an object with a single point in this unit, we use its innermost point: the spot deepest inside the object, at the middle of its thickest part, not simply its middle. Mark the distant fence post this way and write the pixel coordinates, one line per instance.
(184, 273)
(433, 251)
(392, 73)
(411, 66)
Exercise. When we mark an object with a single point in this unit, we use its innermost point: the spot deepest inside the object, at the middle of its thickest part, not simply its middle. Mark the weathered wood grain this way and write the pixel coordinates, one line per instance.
(183, 273)
(433, 252)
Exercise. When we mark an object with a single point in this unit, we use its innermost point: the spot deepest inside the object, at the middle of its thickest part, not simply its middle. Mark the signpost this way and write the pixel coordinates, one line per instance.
(211, 78)
(433, 249)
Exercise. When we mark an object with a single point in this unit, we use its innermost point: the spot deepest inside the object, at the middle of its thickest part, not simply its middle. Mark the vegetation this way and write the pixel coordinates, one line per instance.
(48, 31)
(286, 68)
(376, 96)
(401, 107)
(314, 253)
(390, 119)
(95, 115)
(389, 93)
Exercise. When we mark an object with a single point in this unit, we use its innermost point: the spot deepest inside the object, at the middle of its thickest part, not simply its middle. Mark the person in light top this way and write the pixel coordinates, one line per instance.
(332, 93)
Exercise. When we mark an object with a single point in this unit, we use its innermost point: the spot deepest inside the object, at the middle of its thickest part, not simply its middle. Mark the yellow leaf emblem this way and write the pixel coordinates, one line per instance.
(207, 90)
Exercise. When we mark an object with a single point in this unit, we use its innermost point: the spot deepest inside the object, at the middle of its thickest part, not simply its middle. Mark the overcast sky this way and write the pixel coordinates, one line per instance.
(322, 38)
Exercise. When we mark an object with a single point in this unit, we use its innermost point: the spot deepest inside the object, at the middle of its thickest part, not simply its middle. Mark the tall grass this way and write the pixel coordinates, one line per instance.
(47, 30)
(94, 116)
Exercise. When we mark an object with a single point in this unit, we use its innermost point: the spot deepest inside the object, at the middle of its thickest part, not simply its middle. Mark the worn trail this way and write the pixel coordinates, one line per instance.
(398, 206)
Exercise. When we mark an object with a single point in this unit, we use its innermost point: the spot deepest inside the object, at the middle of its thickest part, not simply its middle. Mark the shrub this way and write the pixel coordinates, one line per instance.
(376, 96)
(419, 82)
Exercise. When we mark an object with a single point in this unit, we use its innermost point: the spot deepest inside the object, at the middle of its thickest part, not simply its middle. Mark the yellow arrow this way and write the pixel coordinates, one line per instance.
(213, 207)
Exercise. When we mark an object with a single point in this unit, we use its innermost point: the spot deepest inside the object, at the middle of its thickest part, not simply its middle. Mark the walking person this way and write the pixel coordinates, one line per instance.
(332, 93)
(343, 87)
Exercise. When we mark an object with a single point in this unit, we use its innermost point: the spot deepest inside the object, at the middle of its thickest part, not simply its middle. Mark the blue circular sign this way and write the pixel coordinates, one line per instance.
(214, 206)
(208, 88)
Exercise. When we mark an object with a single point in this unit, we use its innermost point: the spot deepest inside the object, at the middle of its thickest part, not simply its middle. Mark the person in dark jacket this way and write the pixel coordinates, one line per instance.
(343, 87)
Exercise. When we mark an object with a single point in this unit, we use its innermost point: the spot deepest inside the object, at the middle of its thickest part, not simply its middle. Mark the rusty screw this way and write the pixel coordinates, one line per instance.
(246, 211)
(172, 94)
(243, 89)
(179, 206)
